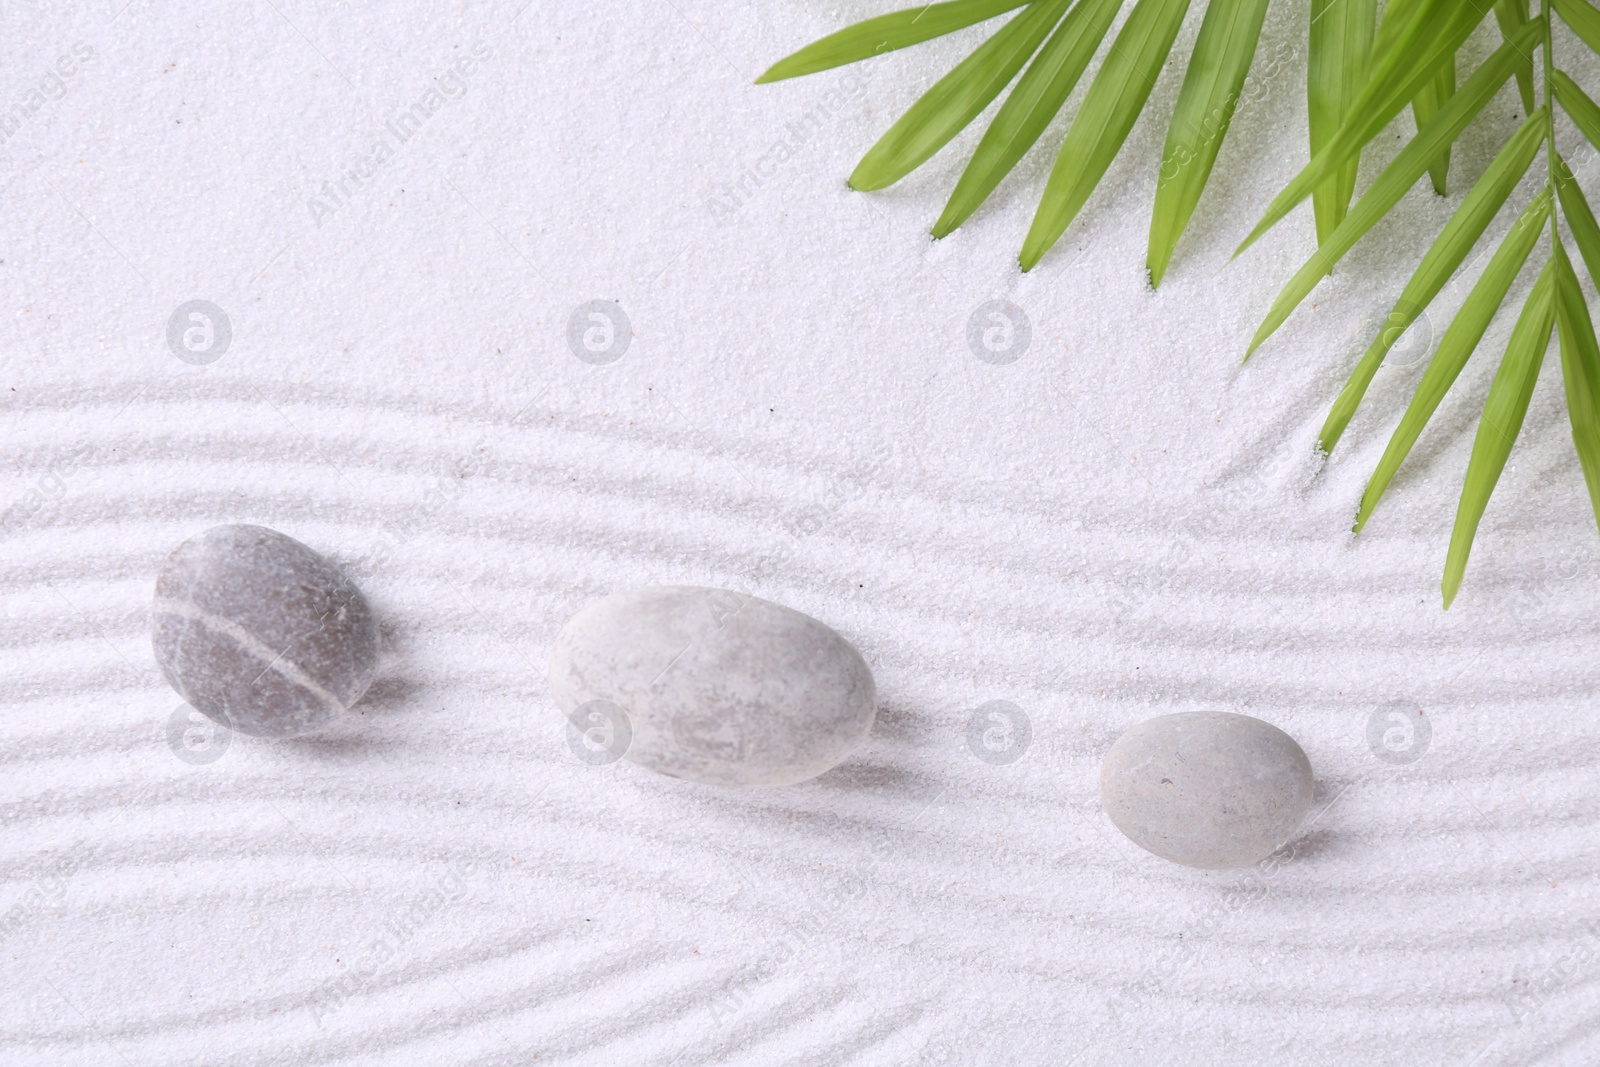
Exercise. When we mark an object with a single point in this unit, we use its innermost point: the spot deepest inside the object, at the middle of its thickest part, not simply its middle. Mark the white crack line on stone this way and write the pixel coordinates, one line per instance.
(249, 642)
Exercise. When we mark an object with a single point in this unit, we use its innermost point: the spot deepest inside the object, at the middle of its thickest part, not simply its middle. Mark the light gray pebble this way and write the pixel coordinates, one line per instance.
(1207, 789)
(261, 633)
(713, 686)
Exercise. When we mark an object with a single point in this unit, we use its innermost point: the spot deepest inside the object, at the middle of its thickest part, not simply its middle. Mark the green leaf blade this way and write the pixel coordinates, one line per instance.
(1416, 60)
(886, 33)
(1582, 18)
(1457, 345)
(1583, 112)
(1039, 94)
(1503, 413)
(1575, 209)
(1425, 106)
(956, 99)
(1399, 18)
(1580, 373)
(1511, 14)
(1109, 110)
(1446, 254)
(1206, 102)
(1340, 46)
(1398, 177)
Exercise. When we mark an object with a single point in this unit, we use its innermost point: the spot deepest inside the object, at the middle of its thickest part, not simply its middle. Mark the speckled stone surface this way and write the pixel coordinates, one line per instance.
(259, 632)
(718, 687)
(1206, 789)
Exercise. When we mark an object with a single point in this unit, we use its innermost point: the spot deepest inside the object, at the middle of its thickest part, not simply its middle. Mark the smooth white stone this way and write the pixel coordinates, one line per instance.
(1207, 789)
(717, 687)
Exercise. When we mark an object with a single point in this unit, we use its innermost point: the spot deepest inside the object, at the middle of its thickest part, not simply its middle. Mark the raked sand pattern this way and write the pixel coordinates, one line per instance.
(424, 384)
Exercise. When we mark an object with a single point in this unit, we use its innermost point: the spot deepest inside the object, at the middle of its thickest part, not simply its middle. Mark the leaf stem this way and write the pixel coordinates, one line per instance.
(1549, 117)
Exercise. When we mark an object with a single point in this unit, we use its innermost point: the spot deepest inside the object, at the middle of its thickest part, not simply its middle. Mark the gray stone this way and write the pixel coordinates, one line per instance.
(712, 686)
(1206, 789)
(258, 632)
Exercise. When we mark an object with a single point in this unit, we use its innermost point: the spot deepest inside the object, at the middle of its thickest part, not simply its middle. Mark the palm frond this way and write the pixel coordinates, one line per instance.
(1583, 112)
(1044, 87)
(1399, 176)
(1420, 49)
(1115, 98)
(886, 33)
(1511, 14)
(957, 98)
(1362, 72)
(1426, 105)
(1582, 18)
(1211, 87)
(1057, 41)
(1580, 372)
(1457, 345)
(1338, 50)
(1554, 305)
(1447, 253)
(1580, 219)
(1503, 413)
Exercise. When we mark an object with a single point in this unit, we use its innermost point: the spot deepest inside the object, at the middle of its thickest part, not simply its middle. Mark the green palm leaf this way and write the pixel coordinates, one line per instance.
(956, 99)
(1340, 46)
(1511, 14)
(1421, 52)
(1399, 18)
(1115, 98)
(1414, 43)
(1362, 72)
(1576, 103)
(1210, 92)
(1503, 413)
(1039, 94)
(1427, 105)
(1585, 231)
(885, 34)
(1392, 184)
(1580, 372)
(1448, 251)
(1458, 343)
(1583, 18)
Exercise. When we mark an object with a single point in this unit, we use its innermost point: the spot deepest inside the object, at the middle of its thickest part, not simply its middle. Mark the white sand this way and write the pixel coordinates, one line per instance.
(1120, 524)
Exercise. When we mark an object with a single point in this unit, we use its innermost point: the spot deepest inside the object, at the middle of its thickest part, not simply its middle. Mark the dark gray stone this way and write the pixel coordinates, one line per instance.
(261, 633)
(1207, 789)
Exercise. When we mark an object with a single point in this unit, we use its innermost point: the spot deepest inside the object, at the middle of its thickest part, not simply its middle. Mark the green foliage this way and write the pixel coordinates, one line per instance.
(1362, 73)
(1512, 14)
(1580, 371)
(1448, 252)
(1057, 41)
(885, 34)
(1462, 336)
(1044, 87)
(1217, 69)
(1340, 46)
(1415, 55)
(956, 100)
(1114, 100)
(1397, 178)
(1503, 413)
(1555, 304)
(1425, 106)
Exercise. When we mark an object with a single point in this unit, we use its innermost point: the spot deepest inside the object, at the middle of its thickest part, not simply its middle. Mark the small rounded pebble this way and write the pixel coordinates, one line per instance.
(1206, 789)
(713, 686)
(261, 633)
